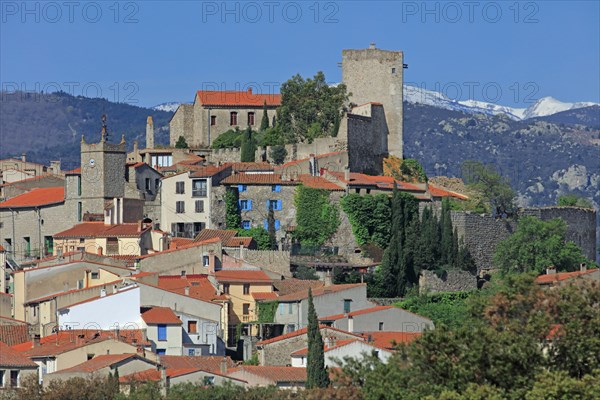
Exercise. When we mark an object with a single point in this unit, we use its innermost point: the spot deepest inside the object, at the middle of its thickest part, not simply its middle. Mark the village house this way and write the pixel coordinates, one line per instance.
(13, 331)
(378, 318)
(163, 329)
(14, 367)
(338, 350)
(19, 169)
(215, 112)
(291, 378)
(553, 278)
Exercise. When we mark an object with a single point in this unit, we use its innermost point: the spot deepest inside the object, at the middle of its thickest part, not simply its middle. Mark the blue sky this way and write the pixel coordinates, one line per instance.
(149, 52)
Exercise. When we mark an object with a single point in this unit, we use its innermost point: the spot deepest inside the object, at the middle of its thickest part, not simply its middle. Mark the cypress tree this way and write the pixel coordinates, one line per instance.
(271, 229)
(233, 219)
(316, 373)
(248, 147)
(264, 123)
(447, 233)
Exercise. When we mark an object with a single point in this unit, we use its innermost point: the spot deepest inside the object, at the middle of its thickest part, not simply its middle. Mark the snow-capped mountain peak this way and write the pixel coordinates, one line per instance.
(169, 106)
(549, 105)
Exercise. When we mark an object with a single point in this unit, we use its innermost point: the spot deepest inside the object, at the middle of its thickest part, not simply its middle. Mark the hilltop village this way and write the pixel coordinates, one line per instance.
(188, 263)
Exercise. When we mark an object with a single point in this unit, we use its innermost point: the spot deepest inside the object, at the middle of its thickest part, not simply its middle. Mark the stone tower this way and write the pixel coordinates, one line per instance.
(102, 172)
(149, 133)
(374, 75)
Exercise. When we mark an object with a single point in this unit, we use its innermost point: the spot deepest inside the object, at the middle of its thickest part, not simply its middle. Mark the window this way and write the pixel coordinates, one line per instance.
(95, 275)
(191, 352)
(148, 184)
(266, 224)
(213, 120)
(276, 188)
(14, 378)
(198, 226)
(233, 118)
(161, 352)
(290, 308)
(161, 160)
(192, 326)
(274, 204)
(180, 207)
(393, 70)
(246, 308)
(281, 308)
(381, 326)
(347, 305)
(179, 187)
(246, 224)
(81, 240)
(79, 185)
(199, 188)
(79, 211)
(156, 183)
(112, 246)
(205, 261)
(1, 378)
(199, 206)
(250, 118)
(245, 205)
(27, 249)
(162, 332)
(242, 188)
(183, 273)
(246, 288)
(49, 244)
(226, 288)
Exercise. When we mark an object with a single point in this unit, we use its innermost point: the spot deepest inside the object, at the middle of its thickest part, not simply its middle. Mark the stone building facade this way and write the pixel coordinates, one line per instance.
(215, 112)
(375, 75)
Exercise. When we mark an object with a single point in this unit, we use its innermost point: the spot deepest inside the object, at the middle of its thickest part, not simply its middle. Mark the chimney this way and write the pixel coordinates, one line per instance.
(163, 380)
(36, 340)
(241, 251)
(99, 250)
(347, 173)
(135, 148)
(172, 245)
(223, 366)
(211, 262)
(102, 292)
(149, 133)
(551, 270)
(187, 290)
(583, 267)
(23, 157)
(55, 166)
(250, 91)
(350, 324)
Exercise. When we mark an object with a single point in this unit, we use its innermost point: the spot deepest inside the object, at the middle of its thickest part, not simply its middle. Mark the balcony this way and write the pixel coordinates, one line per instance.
(246, 318)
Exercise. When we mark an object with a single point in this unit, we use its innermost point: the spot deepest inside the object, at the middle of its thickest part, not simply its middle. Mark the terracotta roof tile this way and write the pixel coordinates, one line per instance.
(99, 229)
(326, 348)
(239, 241)
(257, 179)
(208, 171)
(60, 180)
(36, 197)
(389, 340)
(274, 373)
(318, 182)
(303, 294)
(160, 315)
(233, 98)
(99, 362)
(251, 166)
(441, 192)
(561, 276)
(198, 286)
(242, 275)
(264, 296)
(14, 334)
(223, 235)
(12, 358)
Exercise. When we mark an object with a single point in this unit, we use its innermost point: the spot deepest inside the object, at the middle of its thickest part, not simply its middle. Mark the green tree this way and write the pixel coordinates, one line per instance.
(317, 219)
(310, 108)
(278, 154)
(494, 187)
(306, 273)
(573, 200)
(233, 219)
(271, 229)
(181, 143)
(317, 375)
(228, 139)
(248, 149)
(537, 245)
(260, 235)
(264, 123)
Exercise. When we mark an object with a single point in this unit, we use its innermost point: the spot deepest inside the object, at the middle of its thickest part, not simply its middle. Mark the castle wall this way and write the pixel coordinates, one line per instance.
(182, 124)
(452, 281)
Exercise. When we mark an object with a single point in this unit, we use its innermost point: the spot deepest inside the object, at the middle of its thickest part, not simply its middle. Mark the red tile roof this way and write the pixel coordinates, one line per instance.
(264, 296)
(293, 285)
(99, 362)
(99, 229)
(300, 332)
(326, 348)
(274, 373)
(65, 341)
(303, 294)
(441, 192)
(12, 358)
(251, 166)
(318, 182)
(208, 171)
(76, 171)
(239, 241)
(561, 276)
(153, 374)
(60, 180)
(233, 98)
(36, 198)
(242, 275)
(198, 286)
(355, 313)
(14, 334)
(390, 340)
(160, 315)
(223, 234)
(206, 363)
(257, 179)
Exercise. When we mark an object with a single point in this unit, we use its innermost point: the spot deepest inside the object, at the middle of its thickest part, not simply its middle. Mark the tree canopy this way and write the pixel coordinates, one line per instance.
(495, 188)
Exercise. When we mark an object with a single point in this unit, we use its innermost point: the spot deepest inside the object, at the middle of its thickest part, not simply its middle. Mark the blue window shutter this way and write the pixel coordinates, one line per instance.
(162, 332)
(279, 205)
(268, 201)
(240, 188)
(240, 204)
(279, 188)
(249, 204)
(266, 224)
(276, 224)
